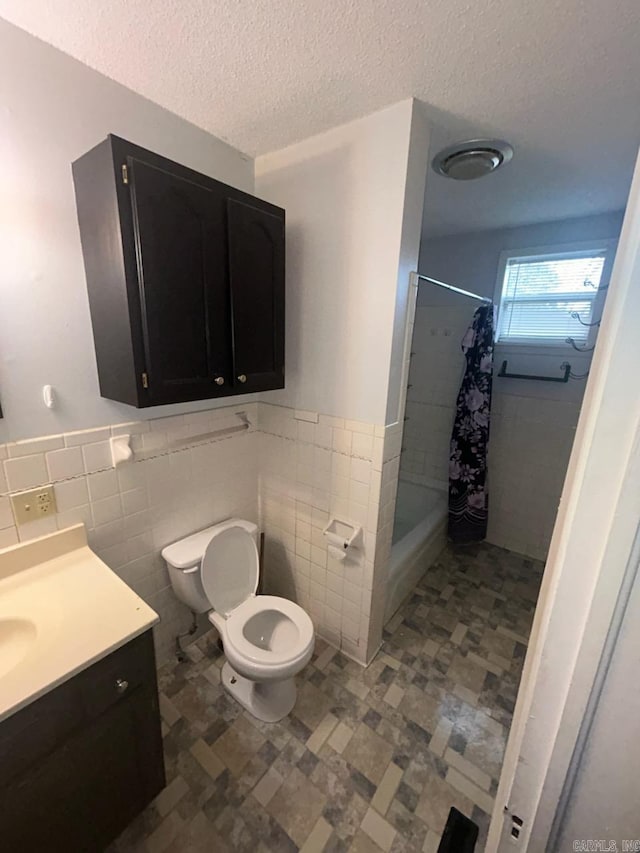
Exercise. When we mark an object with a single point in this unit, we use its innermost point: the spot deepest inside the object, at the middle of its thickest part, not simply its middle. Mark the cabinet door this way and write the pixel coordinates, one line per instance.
(256, 276)
(86, 792)
(182, 269)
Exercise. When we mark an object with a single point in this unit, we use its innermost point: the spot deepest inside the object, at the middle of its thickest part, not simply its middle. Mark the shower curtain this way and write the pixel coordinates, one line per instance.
(468, 496)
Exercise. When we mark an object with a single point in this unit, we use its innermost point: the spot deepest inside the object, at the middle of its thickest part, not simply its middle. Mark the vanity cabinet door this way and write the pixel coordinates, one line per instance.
(180, 249)
(256, 278)
(84, 794)
(97, 762)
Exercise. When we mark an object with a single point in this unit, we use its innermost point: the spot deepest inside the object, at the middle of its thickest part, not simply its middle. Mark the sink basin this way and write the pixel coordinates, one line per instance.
(16, 638)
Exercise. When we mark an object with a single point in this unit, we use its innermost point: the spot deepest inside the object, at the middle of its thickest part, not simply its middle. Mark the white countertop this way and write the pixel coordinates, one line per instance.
(61, 609)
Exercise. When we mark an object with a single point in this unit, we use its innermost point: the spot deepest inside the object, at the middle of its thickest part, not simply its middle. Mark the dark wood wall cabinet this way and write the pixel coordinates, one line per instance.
(77, 765)
(185, 277)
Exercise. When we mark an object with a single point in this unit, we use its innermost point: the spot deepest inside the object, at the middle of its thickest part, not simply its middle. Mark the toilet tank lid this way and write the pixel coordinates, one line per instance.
(188, 552)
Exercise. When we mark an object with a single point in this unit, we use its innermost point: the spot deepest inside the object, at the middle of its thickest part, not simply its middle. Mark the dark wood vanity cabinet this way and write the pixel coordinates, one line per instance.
(185, 277)
(78, 764)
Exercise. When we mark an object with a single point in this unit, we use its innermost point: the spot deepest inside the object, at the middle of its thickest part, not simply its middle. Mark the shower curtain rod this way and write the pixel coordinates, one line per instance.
(418, 278)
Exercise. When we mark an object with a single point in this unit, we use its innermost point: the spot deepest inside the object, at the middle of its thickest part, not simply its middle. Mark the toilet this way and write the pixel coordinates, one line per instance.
(267, 639)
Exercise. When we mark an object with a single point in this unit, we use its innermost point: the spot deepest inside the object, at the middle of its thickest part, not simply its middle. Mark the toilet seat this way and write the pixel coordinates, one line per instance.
(288, 633)
(229, 569)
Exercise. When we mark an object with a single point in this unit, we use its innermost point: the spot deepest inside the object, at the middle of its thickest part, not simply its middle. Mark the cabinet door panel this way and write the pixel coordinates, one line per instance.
(181, 264)
(86, 792)
(256, 275)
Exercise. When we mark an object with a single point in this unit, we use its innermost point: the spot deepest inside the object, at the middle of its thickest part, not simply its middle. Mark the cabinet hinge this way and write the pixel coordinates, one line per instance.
(125, 174)
(145, 380)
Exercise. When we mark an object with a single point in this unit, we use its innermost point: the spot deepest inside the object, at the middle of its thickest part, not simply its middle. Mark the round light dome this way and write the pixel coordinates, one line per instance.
(476, 158)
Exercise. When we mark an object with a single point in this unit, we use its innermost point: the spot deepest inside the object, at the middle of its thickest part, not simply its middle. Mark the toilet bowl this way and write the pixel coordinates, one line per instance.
(267, 639)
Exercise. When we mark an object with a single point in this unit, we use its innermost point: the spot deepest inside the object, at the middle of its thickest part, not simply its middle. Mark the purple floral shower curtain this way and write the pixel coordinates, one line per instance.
(468, 495)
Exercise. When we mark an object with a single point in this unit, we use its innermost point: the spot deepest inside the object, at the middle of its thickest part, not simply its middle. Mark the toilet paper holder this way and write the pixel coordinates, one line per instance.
(342, 534)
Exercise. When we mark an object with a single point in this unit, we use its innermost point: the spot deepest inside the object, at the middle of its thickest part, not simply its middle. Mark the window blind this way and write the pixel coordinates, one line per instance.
(539, 295)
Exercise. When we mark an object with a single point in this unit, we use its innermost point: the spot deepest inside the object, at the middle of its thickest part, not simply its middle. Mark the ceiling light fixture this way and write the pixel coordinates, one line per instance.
(466, 161)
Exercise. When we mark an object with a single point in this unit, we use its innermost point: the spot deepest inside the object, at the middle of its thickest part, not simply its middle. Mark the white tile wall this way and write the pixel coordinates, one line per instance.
(530, 441)
(310, 471)
(131, 513)
(289, 472)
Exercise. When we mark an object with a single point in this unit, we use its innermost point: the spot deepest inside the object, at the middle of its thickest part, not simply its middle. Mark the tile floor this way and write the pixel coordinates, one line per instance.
(370, 759)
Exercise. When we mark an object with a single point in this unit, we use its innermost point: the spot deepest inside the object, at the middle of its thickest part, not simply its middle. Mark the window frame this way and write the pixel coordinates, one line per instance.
(608, 246)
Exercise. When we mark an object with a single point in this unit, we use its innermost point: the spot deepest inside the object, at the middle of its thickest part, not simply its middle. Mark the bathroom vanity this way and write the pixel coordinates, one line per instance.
(80, 741)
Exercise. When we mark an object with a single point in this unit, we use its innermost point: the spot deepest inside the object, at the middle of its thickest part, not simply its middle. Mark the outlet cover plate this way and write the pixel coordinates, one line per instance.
(34, 504)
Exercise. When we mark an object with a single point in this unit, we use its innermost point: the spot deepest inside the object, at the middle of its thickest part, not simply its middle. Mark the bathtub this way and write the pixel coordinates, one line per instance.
(419, 535)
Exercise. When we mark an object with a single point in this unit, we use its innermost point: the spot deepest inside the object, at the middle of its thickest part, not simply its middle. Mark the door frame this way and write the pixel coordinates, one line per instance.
(589, 552)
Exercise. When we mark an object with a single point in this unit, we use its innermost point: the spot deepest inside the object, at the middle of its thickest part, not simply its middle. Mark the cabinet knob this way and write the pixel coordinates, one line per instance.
(242, 378)
(219, 380)
(121, 685)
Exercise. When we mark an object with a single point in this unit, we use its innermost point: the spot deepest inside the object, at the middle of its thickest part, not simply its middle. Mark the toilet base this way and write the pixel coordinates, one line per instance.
(268, 701)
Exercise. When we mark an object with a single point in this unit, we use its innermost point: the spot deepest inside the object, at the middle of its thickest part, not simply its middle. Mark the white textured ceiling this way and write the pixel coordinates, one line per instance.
(559, 78)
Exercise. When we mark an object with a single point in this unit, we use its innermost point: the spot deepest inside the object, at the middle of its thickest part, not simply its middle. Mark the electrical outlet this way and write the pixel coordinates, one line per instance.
(37, 503)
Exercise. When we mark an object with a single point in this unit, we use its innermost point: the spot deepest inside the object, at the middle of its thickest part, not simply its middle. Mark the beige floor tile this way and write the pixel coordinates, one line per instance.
(207, 758)
(512, 635)
(212, 674)
(431, 842)
(322, 732)
(435, 801)
(267, 786)
(368, 753)
(458, 635)
(486, 664)
(238, 744)
(475, 774)
(171, 796)
(163, 835)
(387, 788)
(440, 739)
(430, 648)
(363, 844)
(168, 710)
(503, 663)
(358, 688)
(390, 661)
(394, 695)
(470, 790)
(340, 737)
(464, 693)
(325, 657)
(378, 829)
(318, 837)
(297, 805)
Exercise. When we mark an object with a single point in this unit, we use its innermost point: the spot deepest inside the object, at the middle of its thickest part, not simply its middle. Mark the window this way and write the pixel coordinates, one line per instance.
(546, 297)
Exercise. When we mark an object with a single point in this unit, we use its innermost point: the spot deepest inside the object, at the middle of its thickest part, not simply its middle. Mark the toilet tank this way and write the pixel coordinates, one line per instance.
(183, 560)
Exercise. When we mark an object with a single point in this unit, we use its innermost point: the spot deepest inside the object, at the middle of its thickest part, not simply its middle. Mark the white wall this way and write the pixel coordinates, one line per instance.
(55, 109)
(533, 423)
(344, 192)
